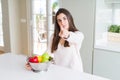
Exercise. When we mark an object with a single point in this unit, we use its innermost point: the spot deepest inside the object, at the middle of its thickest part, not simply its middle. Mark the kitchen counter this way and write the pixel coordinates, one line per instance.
(106, 45)
(12, 67)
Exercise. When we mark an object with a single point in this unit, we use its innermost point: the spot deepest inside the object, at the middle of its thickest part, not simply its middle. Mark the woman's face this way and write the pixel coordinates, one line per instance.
(62, 21)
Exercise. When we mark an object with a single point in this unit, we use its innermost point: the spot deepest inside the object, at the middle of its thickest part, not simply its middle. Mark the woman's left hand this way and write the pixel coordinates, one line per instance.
(28, 67)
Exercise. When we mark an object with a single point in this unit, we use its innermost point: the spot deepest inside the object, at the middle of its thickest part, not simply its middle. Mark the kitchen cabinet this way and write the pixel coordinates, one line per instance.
(106, 63)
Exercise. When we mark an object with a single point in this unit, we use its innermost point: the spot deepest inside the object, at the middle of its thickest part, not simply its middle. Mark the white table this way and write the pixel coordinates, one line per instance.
(12, 67)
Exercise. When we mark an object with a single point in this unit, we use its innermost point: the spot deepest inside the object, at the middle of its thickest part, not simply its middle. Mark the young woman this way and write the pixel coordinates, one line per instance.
(66, 41)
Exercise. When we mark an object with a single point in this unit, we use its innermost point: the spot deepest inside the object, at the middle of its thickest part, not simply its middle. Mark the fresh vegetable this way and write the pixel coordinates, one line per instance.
(45, 57)
(33, 59)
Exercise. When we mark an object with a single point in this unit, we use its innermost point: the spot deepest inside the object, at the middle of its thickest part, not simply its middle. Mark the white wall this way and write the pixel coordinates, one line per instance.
(83, 12)
(23, 26)
(15, 32)
(6, 34)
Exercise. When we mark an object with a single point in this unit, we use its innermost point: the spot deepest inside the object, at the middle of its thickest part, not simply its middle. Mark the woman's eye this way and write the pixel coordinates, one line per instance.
(58, 20)
(64, 18)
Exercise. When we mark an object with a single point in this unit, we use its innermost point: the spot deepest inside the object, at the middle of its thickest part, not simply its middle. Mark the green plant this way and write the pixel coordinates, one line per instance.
(55, 4)
(119, 28)
(114, 28)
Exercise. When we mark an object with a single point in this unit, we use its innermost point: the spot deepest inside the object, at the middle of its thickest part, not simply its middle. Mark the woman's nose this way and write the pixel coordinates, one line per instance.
(62, 22)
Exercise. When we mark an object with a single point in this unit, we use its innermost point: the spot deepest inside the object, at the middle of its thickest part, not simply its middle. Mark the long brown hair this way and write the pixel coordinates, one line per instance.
(56, 37)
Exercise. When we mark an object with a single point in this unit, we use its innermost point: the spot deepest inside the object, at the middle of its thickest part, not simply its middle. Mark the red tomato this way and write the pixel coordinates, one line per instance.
(33, 59)
(30, 59)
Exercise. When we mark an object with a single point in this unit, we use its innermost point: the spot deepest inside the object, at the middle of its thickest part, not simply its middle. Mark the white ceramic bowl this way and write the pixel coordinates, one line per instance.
(40, 66)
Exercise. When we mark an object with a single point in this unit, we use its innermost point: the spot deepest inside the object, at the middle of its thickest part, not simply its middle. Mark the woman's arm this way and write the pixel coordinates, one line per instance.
(75, 37)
